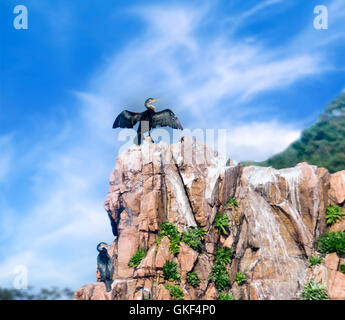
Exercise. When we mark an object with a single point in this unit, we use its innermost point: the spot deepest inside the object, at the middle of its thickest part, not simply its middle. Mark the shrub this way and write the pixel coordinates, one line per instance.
(220, 276)
(170, 271)
(170, 231)
(137, 257)
(240, 278)
(315, 260)
(332, 242)
(223, 256)
(221, 223)
(342, 268)
(174, 247)
(175, 291)
(226, 296)
(200, 232)
(231, 202)
(333, 214)
(314, 291)
(193, 279)
(193, 238)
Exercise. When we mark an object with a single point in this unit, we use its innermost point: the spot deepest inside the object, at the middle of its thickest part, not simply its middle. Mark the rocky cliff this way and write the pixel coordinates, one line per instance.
(268, 219)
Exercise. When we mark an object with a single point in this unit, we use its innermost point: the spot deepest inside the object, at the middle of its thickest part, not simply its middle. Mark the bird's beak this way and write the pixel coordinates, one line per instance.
(154, 100)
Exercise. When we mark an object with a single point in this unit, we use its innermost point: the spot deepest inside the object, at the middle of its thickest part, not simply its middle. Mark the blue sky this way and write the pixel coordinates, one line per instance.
(256, 68)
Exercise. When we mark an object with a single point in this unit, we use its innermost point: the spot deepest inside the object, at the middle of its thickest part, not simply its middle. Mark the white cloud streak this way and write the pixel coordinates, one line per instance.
(239, 20)
(257, 141)
(6, 155)
(196, 75)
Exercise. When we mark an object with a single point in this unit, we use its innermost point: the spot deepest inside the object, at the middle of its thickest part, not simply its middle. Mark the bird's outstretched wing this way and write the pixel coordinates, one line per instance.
(165, 118)
(127, 119)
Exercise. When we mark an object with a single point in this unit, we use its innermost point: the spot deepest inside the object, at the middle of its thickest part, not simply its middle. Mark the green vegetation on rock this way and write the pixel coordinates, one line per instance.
(193, 237)
(193, 279)
(219, 273)
(314, 291)
(315, 260)
(332, 242)
(226, 296)
(170, 271)
(231, 202)
(334, 214)
(240, 278)
(342, 268)
(220, 276)
(175, 291)
(137, 257)
(223, 256)
(221, 223)
(170, 231)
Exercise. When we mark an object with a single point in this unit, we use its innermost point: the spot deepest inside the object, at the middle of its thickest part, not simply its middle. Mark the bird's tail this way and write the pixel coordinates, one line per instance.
(138, 138)
(108, 284)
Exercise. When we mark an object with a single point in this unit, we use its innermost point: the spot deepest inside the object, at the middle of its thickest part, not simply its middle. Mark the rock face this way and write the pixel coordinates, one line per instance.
(272, 231)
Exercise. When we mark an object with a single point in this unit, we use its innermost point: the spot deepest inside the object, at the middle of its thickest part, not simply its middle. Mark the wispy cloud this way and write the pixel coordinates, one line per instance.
(6, 155)
(259, 140)
(196, 74)
(241, 18)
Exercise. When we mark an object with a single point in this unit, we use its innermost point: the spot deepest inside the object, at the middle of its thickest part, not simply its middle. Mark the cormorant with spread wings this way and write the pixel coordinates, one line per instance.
(148, 119)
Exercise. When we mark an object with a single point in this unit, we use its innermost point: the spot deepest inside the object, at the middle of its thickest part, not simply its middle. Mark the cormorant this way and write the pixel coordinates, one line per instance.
(148, 119)
(105, 265)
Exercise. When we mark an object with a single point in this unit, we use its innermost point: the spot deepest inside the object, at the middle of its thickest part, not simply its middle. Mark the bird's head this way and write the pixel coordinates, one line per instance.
(148, 103)
(102, 246)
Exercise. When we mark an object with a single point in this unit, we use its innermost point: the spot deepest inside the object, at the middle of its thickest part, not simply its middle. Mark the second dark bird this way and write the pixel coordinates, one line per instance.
(105, 265)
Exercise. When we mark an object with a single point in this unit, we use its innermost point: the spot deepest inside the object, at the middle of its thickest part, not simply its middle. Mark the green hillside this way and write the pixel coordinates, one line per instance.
(323, 144)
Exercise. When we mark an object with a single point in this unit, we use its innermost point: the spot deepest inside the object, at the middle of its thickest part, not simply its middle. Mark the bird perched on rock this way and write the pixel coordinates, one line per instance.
(148, 119)
(105, 266)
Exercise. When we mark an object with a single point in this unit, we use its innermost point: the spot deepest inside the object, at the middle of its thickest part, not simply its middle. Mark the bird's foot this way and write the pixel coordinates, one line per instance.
(149, 138)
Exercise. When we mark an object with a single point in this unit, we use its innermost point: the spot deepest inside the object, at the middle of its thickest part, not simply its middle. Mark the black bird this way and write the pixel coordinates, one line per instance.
(148, 119)
(105, 265)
